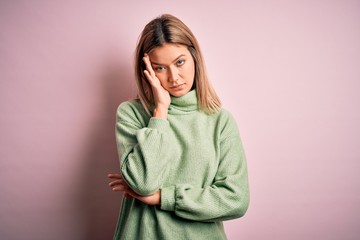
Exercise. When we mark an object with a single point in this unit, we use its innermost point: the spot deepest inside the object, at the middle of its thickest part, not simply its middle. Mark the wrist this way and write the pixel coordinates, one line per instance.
(158, 193)
(160, 112)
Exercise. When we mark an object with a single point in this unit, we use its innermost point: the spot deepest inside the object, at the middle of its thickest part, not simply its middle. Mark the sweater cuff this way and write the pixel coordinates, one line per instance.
(168, 198)
(158, 123)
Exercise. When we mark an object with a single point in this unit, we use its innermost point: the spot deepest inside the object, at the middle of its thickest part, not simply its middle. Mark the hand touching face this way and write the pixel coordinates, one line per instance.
(174, 66)
(161, 95)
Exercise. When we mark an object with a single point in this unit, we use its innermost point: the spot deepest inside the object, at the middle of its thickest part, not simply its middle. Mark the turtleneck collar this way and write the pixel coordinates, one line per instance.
(185, 103)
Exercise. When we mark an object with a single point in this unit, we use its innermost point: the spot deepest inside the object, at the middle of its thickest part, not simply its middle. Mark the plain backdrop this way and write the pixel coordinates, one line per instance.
(289, 71)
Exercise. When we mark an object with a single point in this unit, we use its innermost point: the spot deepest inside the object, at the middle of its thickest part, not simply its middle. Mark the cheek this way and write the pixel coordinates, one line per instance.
(190, 72)
(162, 78)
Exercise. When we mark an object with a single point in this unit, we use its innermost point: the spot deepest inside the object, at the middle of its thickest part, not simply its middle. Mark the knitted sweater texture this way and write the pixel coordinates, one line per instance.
(197, 162)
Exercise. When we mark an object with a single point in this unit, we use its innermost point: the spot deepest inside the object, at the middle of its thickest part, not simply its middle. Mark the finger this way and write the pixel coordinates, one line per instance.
(127, 195)
(149, 77)
(117, 182)
(132, 193)
(114, 175)
(149, 68)
(120, 188)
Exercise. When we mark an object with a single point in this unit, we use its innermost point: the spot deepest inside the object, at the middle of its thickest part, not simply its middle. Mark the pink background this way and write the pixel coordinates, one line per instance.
(289, 71)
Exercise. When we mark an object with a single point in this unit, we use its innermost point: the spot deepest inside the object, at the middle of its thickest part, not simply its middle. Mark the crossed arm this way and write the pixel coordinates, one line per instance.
(118, 184)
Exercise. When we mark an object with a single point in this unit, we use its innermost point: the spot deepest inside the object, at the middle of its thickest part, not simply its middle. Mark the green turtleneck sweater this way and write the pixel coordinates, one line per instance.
(195, 159)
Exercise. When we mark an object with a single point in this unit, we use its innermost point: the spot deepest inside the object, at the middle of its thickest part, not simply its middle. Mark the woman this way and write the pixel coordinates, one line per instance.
(183, 168)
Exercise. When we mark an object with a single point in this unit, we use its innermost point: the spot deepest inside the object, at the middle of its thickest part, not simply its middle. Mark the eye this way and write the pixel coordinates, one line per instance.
(159, 68)
(180, 62)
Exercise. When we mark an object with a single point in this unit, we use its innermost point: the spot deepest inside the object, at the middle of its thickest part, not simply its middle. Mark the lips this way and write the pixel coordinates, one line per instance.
(177, 86)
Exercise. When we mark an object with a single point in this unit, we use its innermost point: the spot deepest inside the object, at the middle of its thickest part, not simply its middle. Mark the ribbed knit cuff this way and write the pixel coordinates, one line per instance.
(158, 123)
(168, 198)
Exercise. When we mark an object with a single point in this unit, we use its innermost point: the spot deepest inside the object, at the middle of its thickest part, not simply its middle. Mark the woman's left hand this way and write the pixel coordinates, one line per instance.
(118, 184)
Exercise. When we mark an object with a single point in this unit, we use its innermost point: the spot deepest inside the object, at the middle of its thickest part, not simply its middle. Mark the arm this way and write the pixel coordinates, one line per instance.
(228, 196)
(118, 184)
(145, 152)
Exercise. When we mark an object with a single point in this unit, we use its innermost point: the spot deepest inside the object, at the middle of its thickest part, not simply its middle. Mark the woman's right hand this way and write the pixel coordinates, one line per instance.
(161, 96)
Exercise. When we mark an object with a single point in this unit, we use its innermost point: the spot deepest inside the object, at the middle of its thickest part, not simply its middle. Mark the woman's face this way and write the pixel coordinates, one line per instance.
(174, 67)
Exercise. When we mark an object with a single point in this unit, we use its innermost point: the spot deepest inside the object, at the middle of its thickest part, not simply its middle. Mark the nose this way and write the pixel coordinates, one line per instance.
(173, 74)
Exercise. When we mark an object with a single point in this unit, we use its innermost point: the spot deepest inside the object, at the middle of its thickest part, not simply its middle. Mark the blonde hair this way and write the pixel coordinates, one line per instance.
(169, 29)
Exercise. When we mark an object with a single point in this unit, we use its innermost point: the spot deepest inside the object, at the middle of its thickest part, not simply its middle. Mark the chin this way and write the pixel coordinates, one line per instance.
(178, 93)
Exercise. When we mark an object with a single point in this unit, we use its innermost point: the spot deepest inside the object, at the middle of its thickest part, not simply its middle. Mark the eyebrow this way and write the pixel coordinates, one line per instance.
(181, 55)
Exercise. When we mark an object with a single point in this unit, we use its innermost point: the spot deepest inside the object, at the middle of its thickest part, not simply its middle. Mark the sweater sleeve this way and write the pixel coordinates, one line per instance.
(143, 151)
(227, 197)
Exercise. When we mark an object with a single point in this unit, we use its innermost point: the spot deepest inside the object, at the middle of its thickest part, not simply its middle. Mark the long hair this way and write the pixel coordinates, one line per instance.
(169, 29)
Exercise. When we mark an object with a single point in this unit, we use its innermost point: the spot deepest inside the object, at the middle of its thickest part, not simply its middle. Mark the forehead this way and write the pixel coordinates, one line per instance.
(167, 53)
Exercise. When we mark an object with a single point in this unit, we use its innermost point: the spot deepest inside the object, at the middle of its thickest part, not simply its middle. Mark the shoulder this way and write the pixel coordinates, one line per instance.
(224, 116)
(227, 122)
(130, 110)
(134, 104)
